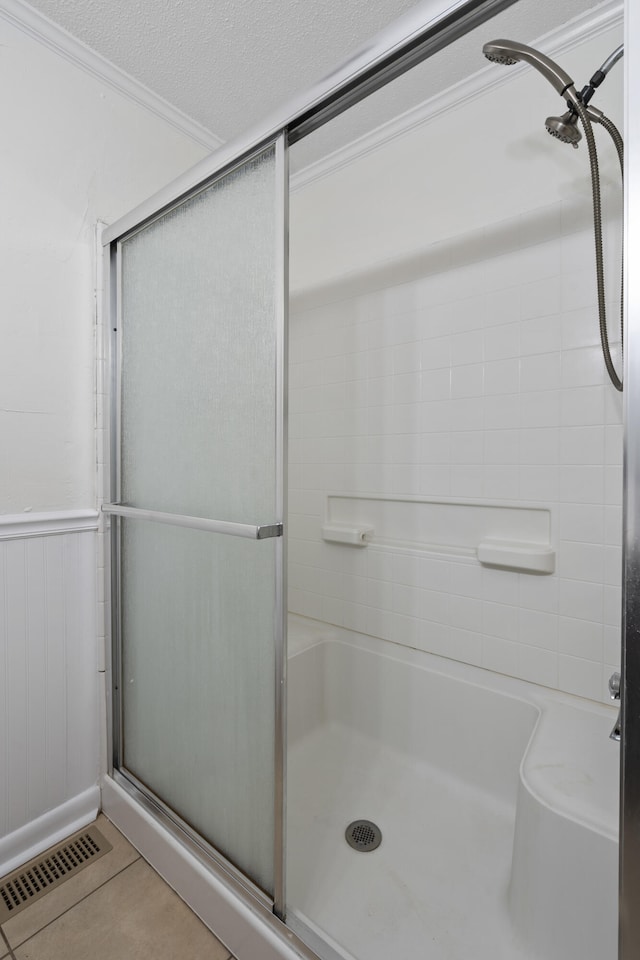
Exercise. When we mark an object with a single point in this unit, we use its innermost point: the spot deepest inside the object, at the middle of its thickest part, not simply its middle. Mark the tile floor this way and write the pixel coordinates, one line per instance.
(117, 908)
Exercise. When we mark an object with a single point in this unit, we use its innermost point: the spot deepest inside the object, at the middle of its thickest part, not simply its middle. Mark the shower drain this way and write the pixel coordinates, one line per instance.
(363, 835)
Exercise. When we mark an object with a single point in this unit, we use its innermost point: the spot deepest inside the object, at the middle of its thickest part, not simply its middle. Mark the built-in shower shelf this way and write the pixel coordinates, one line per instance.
(516, 537)
(527, 557)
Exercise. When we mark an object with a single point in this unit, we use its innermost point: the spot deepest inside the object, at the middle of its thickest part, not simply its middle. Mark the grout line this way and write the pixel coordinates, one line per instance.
(81, 900)
(86, 897)
(7, 944)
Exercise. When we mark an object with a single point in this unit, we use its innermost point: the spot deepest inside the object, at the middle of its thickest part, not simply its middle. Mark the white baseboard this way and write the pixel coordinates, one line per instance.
(239, 927)
(33, 838)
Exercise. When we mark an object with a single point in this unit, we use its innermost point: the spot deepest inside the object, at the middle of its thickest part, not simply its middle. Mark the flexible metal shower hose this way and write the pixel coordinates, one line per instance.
(618, 142)
(597, 230)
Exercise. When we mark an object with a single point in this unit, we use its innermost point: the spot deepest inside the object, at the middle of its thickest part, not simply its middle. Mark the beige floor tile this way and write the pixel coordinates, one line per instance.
(4, 949)
(135, 916)
(56, 902)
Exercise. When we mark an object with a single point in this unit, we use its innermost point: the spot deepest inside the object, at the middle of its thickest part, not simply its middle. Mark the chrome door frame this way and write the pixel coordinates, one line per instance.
(113, 511)
(282, 460)
(629, 939)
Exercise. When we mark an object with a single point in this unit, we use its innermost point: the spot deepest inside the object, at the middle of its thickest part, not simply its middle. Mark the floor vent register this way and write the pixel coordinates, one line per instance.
(26, 885)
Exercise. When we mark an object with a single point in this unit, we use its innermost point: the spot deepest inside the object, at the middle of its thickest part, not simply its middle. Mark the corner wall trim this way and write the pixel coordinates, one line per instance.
(555, 43)
(60, 41)
(37, 836)
(21, 525)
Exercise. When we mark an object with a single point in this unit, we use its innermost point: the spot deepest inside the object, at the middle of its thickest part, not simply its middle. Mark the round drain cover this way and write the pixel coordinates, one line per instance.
(363, 835)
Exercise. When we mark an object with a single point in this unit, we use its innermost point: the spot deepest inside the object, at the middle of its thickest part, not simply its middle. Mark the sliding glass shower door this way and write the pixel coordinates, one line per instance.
(197, 512)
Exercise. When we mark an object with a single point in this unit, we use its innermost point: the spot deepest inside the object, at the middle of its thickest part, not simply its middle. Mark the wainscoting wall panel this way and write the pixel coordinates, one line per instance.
(48, 680)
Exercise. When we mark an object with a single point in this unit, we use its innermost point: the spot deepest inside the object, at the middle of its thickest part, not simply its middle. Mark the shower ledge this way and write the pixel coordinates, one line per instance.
(496, 533)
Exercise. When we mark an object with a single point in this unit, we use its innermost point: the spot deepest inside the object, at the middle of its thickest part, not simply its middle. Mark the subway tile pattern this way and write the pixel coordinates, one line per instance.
(483, 382)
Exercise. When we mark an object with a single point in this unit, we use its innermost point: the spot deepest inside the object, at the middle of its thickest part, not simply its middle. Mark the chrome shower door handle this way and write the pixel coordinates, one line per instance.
(249, 531)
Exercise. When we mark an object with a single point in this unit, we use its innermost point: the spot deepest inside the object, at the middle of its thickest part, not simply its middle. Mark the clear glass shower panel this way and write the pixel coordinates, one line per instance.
(197, 677)
(198, 352)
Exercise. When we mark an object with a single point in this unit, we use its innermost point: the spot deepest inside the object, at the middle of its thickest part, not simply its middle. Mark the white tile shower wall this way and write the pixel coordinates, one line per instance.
(483, 383)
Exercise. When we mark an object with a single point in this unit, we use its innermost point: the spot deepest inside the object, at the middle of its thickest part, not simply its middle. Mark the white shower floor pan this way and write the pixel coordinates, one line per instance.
(497, 802)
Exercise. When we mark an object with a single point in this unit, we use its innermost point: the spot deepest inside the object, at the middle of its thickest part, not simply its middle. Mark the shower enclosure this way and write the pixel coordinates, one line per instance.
(197, 291)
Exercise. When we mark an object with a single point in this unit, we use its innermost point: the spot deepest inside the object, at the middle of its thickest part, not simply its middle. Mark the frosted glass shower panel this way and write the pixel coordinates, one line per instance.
(198, 315)
(197, 678)
(200, 322)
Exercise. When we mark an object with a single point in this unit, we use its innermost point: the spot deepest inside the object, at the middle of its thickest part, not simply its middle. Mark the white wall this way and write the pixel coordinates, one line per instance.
(74, 150)
(479, 380)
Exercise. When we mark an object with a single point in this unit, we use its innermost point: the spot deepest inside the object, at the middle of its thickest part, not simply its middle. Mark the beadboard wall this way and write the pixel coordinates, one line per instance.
(48, 681)
(480, 383)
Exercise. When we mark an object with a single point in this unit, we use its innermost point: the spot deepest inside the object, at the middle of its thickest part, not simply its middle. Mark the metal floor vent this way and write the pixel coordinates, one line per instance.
(24, 886)
(363, 835)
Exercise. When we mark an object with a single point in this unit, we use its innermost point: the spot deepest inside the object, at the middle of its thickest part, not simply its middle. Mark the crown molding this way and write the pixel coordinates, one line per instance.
(557, 42)
(35, 25)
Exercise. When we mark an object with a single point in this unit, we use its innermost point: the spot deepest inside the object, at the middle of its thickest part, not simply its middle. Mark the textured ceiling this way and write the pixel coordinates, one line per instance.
(228, 63)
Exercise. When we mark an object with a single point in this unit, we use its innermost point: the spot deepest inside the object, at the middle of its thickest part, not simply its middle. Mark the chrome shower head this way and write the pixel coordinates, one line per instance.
(564, 128)
(508, 52)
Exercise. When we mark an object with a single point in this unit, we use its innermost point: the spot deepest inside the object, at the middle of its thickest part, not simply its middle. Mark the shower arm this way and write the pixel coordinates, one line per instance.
(588, 91)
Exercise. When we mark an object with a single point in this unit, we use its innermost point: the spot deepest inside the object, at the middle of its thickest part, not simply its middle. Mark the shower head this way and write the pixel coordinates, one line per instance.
(498, 57)
(565, 128)
(508, 52)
